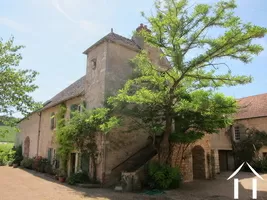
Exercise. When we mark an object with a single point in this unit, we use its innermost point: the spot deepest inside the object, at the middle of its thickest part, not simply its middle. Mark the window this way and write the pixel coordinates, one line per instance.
(264, 154)
(93, 63)
(52, 121)
(49, 155)
(73, 108)
(236, 133)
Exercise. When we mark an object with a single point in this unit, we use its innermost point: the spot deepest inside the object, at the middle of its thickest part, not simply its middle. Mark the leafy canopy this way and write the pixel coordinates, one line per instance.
(16, 85)
(185, 89)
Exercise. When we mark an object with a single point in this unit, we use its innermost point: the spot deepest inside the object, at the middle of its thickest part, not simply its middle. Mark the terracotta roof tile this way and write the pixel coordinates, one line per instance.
(115, 38)
(74, 90)
(252, 106)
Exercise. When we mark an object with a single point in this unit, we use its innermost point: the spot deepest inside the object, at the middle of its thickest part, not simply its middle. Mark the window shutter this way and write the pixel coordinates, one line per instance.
(84, 104)
(49, 156)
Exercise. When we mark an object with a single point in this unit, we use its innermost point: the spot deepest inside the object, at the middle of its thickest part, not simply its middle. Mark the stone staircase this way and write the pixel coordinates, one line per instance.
(131, 164)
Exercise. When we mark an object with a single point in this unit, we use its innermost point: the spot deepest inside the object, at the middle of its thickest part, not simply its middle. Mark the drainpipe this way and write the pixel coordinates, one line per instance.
(39, 132)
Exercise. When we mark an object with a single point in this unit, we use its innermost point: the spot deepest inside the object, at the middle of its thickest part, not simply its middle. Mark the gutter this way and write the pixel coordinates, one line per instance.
(39, 132)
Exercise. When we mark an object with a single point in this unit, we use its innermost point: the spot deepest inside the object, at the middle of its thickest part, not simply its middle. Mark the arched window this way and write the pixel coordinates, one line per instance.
(26, 147)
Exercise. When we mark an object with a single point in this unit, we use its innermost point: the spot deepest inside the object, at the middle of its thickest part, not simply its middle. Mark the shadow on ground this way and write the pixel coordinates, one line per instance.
(98, 193)
(218, 189)
(221, 189)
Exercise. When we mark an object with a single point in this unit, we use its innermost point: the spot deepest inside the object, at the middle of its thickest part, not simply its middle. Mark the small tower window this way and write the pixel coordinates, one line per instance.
(93, 63)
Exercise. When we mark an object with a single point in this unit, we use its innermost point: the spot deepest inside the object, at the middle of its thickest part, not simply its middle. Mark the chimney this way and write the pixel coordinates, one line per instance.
(137, 38)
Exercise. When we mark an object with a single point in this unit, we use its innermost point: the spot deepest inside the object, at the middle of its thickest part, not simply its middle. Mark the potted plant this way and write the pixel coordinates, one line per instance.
(62, 176)
(10, 163)
(15, 165)
(56, 172)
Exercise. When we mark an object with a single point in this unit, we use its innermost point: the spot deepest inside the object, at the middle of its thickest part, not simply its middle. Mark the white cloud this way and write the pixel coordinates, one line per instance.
(86, 25)
(14, 25)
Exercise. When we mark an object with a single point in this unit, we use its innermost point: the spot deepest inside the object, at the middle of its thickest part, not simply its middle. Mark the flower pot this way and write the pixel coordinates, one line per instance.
(56, 177)
(61, 179)
(15, 165)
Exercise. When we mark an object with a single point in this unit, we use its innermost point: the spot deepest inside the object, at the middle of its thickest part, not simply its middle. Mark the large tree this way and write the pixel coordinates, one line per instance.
(16, 84)
(197, 40)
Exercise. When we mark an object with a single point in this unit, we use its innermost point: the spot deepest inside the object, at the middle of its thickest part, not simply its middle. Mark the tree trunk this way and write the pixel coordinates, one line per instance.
(164, 149)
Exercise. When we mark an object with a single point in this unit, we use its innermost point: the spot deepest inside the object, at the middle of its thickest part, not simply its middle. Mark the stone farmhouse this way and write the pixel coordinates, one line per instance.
(107, 69)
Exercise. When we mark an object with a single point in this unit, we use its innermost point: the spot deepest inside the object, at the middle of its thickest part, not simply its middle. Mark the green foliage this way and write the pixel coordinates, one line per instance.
(79, 132)
(246, 149)
(60, 116)
(7, 134)
(39, 164)
(49, 169)
(16, 85)
(7, 154)
(163, 176)
(185, 85)
(79, 177)
(260, 165)
(27, 163)
(18, 157)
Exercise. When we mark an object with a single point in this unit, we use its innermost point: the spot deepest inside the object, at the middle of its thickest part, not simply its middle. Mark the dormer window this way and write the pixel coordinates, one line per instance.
(93, 63)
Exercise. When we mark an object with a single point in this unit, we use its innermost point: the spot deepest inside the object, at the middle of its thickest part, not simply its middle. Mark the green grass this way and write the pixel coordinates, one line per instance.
(9, 136)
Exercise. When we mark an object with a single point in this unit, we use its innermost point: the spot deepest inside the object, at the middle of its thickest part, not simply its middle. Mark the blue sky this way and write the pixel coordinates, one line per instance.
(56, 32)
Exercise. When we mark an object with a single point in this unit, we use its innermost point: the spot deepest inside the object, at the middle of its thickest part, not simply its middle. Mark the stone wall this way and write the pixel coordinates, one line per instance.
(194, 153)
(29, 127)
(48, 136)
(123, 143)
(95, 77)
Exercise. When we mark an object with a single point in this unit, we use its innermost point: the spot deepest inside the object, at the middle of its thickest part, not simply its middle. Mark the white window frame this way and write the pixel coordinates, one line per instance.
(237, 129)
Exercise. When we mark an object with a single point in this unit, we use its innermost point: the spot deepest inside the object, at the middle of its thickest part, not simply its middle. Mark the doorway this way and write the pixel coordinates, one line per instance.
(198, 155)
(226, 160)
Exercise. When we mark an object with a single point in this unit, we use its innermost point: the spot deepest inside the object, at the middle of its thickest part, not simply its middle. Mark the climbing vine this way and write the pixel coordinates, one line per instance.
(246, 150)
(63, 149)
(79, 133)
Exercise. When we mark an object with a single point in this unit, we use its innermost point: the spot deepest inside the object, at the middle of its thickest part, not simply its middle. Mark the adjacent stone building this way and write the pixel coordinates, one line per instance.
(213, 153)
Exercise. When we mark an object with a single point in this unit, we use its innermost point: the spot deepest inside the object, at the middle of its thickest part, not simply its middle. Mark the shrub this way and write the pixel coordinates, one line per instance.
(163, 176)
(27, 163)
(79, 177)
(6, 154)
(17, 155)
(49, 169)
(260, 165)
(39, 163)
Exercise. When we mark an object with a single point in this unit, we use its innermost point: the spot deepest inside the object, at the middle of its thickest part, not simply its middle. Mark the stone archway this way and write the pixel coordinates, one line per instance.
(26, 147)
(198, 155)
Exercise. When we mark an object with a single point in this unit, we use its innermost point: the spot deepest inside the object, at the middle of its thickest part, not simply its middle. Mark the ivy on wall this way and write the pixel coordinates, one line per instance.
(80, 131)
(246, 150)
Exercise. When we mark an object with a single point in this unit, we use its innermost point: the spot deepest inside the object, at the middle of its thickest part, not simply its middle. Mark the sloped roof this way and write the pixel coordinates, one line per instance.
(74, 90)
(252, 106)
(115, 38)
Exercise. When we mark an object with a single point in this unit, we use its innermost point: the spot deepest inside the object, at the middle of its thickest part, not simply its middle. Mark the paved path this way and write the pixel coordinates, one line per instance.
(25, 185)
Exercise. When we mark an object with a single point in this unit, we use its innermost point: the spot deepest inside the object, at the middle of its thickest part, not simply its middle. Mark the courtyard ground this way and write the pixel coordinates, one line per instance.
(20, 184)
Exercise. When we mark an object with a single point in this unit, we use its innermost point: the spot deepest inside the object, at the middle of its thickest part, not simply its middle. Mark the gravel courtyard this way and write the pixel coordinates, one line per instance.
(23, 185)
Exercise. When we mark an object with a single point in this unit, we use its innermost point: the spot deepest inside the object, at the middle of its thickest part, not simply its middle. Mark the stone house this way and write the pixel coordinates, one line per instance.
(107, 69)
(213, 153)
